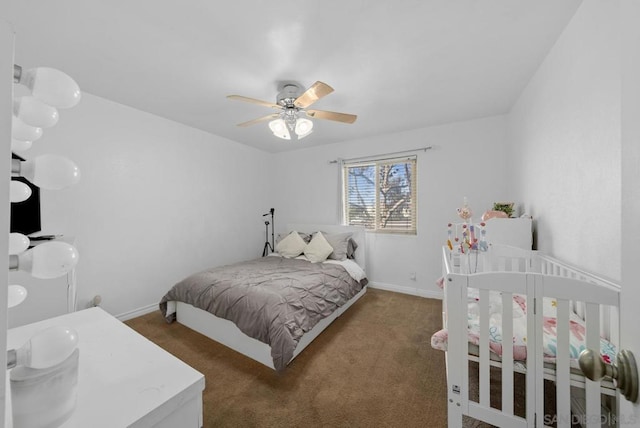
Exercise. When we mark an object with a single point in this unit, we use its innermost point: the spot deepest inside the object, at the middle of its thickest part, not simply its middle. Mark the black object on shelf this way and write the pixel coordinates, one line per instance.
(43, 237)
(25, 215)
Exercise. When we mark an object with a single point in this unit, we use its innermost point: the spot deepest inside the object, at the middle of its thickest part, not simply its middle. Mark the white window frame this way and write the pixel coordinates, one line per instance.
(412, 228)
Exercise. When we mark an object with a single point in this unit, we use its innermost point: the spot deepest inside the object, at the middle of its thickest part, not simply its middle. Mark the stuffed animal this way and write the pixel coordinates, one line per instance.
(465, 212)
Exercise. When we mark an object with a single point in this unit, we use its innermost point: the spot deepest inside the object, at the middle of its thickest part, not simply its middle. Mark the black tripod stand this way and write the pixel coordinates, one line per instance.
(268, 246)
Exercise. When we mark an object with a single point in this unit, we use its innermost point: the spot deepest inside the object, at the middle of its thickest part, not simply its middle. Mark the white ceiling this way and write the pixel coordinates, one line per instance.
(398, 65)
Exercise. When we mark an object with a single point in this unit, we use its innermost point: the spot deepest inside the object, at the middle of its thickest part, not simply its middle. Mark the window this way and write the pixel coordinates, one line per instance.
(381, 194)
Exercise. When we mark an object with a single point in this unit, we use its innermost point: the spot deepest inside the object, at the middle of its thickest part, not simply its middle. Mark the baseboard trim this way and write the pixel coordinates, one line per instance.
(138, 312)
(429, 294)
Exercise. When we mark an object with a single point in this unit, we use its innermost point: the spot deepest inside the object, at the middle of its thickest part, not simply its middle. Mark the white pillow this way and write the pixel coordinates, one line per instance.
(291, 246)
(318, 249)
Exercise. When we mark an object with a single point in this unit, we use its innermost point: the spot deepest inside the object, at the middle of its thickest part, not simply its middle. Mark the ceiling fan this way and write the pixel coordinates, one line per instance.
(292, 105)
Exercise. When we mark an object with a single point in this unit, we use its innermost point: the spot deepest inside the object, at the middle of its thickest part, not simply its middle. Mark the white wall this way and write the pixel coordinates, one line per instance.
(157, 201)
(468, 159)
(564, 140)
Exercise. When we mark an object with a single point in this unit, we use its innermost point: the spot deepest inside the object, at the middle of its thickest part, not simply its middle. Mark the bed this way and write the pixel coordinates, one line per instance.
(271, 308)
(552, 311)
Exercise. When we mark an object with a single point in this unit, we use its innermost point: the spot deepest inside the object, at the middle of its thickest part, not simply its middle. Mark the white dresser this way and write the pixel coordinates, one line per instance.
(516, 232)
(124, 380)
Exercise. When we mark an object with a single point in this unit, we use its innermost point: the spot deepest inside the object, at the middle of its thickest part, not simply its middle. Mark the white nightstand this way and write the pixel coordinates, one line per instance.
(124, 380)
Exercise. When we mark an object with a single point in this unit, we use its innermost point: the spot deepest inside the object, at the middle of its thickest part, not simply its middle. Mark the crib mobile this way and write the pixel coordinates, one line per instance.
(469, 241)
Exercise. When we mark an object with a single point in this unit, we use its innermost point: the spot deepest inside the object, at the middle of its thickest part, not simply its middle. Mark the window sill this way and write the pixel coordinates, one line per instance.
(393, 232)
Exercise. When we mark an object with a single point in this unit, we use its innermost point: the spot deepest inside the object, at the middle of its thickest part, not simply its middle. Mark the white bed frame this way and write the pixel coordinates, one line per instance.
(510, 270)
(228, 334)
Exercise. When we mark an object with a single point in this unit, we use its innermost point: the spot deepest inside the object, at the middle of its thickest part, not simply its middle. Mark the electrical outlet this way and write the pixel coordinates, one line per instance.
(412, 276)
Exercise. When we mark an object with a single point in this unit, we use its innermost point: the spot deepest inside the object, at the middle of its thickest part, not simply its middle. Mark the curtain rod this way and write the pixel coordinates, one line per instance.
(423, 149)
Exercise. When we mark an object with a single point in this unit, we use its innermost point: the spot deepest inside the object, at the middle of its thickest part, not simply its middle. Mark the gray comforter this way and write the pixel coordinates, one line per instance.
(272, 299)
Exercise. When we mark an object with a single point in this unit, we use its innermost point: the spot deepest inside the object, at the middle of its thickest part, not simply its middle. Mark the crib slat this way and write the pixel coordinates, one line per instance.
(593, 342)
(536, 349)
(484, 348)
(533, 360)
(563, 397)
(507, 353)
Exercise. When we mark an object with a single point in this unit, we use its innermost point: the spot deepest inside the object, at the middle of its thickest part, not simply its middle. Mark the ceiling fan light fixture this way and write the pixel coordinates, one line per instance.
(292, 104)
(279, 129)
(304, 127)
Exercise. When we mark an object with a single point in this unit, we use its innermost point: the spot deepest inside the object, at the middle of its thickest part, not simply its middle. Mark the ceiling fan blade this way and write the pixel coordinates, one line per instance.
(332, 115)
(253, 101)
(313, 94)
(260, 119)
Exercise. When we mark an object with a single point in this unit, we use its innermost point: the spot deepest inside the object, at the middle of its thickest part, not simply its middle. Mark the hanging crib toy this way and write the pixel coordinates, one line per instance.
(469, 237)
(470, 241)
(483, 246)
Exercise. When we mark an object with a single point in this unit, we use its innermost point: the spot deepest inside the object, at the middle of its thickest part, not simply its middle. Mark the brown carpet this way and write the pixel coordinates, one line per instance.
(373, 367)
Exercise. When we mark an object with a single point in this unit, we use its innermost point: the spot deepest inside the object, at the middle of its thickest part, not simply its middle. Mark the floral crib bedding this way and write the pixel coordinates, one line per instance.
(577, 342)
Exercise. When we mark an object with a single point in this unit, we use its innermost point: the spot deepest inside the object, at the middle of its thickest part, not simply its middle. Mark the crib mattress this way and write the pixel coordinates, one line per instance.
(439, 339)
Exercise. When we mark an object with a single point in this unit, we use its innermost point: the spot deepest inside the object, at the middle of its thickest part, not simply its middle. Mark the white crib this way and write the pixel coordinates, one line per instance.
(506, 271)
